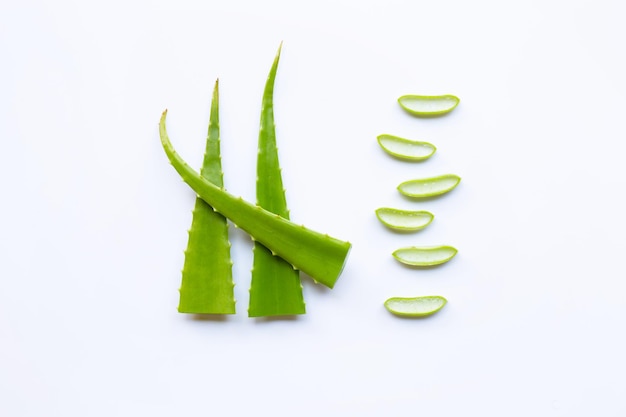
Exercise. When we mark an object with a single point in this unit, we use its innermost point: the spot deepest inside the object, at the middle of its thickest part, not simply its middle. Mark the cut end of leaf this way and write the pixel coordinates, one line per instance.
(428, 106)
(217, 308)
(348, 248)
(416, 306)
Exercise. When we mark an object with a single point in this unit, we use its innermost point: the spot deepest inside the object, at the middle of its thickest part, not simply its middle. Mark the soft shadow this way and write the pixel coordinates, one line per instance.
(425, 199)
(431, 316)
(271, 319)
(414, 318)
(411, 161)
(428, 118)
(310, 283)
(217, 318)
(425, 268)
(400, 231)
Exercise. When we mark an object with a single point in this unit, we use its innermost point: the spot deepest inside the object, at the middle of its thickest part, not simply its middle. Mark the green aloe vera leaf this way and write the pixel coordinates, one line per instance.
(320, 256)
(275, 289)
(402, 148)
(425, 256)
(428, 106)
(404, 220)
(415, 306)
(429, 187)
(207, 283)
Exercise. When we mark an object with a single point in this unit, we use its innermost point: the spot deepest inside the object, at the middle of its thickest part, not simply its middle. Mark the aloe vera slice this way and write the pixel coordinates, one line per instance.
(405, 148)
(207, 282)
(275, 289)
(320, 256)
(429, 187)
(425, 256)
(404, 219)
(416, 306)
(428, 106)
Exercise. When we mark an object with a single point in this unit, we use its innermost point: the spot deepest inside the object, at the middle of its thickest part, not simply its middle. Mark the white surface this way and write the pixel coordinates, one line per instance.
(94, 219)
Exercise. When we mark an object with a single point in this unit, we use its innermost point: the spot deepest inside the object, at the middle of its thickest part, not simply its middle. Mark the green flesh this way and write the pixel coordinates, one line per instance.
(404, 220)
(425, 256)
(428, 106)
(415, 307)
(207, 283)
(318, 255)
(411, 150)
(275, 289)
(429, 187)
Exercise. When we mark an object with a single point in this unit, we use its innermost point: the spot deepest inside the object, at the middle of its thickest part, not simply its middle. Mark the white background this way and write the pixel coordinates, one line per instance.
(94, 219)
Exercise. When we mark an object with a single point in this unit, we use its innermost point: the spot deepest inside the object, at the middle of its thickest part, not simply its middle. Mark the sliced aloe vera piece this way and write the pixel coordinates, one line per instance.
(404, 219)
(416, 306)
(428, 106)
(429, 187)
(405, 148)
(275, 289)
(425, 256)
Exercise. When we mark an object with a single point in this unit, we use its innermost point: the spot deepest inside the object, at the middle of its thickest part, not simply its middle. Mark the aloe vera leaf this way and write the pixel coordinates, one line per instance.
(404, 220)
(320, 256)
(207, 283)
(425, 256)
(428, 106)
(275, 289)
(429, 187)
(415, 306)
(402, 148)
